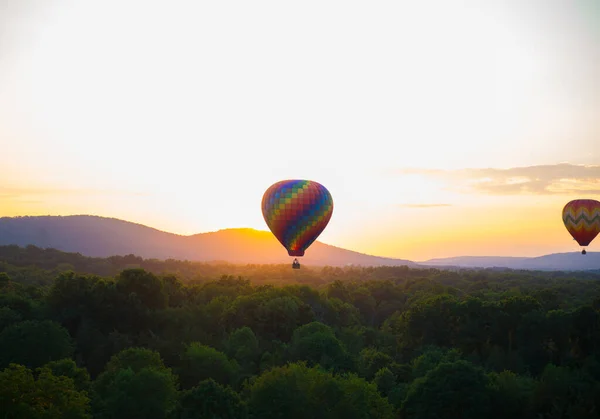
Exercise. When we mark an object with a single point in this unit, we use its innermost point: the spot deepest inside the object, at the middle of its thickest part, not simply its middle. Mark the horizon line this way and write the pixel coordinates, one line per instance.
(269, 232)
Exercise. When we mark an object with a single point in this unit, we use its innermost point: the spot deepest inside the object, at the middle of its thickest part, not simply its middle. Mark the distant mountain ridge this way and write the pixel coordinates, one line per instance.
(572, 261)
(103, 237)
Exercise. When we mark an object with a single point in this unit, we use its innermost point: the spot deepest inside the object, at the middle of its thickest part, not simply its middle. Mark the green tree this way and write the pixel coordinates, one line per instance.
(385, 380)
(566, 392)
(34, 343)
(26, 307)
(451, 390)
(68, 368)
(210, 399)
(316, 343)
(175, 290)
(365, 303)
(338, 313)
(144, 286)
(511, 395)
(200, 362)
(25, 395)
(296, 391)
(272, 314)
(136, 384)
(513, 310)
(148, 393)
(242, 345)
(8, 316)
(4, 280)
(432, 320)
(71, 298)
(370, 360)
(337, 289)
(136, 359)
(430, 358)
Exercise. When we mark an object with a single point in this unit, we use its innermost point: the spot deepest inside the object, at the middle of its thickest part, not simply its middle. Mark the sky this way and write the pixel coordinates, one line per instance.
(441, 128)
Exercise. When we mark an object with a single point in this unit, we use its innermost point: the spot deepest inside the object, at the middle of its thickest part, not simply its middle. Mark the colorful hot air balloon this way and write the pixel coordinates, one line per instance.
(582, 219)
(297, 212)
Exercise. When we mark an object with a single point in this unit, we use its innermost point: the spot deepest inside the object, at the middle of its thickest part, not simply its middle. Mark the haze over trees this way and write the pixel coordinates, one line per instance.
(126, 337)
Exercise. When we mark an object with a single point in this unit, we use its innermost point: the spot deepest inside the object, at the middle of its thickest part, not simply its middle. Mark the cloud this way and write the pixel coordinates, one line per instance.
(424, 205)
(556, 179)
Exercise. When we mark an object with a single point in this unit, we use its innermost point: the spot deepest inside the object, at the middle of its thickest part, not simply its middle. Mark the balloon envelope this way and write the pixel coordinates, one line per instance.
(297, 212)
(582, 220)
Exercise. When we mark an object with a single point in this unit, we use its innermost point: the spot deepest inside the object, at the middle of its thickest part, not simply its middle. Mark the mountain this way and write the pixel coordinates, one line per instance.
(572, 261)
(103, 237)
(475, 261)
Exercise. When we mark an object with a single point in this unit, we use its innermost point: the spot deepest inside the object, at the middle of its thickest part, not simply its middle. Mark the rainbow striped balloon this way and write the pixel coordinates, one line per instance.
(297, 212)
(582, 219)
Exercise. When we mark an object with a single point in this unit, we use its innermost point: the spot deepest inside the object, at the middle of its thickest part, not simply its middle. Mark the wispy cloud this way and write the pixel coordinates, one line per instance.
(563, 178)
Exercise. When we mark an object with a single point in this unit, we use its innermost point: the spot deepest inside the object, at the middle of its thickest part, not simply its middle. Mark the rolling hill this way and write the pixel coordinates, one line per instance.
(103, 237)
(572, 261)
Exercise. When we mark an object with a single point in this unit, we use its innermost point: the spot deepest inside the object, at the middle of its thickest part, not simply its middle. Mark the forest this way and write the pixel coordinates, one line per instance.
(126, 337)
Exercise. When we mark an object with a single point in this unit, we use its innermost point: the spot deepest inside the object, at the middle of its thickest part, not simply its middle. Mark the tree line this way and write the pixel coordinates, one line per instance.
(126, 337)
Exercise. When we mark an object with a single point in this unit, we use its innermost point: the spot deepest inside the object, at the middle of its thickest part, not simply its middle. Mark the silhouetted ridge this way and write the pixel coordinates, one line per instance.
(103, 237)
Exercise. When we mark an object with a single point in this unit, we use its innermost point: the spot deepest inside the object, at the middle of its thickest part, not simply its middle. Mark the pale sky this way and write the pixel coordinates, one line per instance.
(441, 128)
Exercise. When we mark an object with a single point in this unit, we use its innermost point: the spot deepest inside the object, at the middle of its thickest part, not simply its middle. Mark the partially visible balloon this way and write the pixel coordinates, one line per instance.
(582, 220)
(297, 212)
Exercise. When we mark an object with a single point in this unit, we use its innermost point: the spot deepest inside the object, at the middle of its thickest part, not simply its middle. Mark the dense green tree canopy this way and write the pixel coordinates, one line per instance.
(126, 337)
(33, 343)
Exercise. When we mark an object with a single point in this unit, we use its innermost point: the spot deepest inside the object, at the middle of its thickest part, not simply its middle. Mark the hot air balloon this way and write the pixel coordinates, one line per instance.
(582, 219)
(297, 212)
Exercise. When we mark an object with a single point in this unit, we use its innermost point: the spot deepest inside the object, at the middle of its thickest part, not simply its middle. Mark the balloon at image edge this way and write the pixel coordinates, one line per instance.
(297, 211)
(582, 220)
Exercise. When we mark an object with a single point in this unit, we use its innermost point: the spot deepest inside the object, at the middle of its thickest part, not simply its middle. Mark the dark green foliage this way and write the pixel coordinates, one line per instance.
(142, 288)
(243, 346)
(272, 313)
(8, 316)
(200, 362)
(4, 280)
(566, 392)
(510, 395)
(68, 368)
(385, 380)
(136, 359)
(316, 343)
(33, 343)
(40, 395)
(148, 393)
(297, 391)
(450, 390)
(267, 341)
(430, 358)
(370, 360)
(136, 384)
(211, 400)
